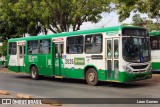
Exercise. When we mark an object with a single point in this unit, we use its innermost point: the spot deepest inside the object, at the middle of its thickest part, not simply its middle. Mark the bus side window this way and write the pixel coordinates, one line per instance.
(93, 44)
(12, 48)
(56, 50)
(59, 50)
(155, 43)
(20, 49)
(75, 45)
(62, 49)
(45, 46)
(33, 47)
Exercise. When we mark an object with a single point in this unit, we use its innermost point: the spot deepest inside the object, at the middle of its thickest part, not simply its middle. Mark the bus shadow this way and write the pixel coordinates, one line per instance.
(136, 84)
(156, 72)
(65, 80)
(52, 79)
(127, 85)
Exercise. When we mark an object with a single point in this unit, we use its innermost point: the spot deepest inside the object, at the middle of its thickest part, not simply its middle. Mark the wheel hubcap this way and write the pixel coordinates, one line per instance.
(34, 72)
(91, 77)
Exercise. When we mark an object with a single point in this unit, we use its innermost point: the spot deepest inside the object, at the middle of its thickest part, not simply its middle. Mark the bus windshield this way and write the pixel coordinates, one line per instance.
(136, 49)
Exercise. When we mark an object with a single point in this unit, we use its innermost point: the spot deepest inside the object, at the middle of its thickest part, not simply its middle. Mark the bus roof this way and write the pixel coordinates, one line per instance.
(154, 33)
(79, 32)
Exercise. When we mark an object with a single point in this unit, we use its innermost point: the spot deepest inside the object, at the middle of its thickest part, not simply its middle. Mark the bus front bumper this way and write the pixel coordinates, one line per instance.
(128, 77)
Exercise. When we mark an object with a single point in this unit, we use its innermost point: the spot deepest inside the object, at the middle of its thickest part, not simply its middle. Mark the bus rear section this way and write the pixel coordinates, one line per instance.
(32, 56)
(16, 53)
(155, 50)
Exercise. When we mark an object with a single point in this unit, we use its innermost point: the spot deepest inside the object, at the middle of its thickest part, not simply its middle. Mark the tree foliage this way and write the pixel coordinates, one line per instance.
(150, 7)
(19, 15)
(7, 27)
(3, 48)
(145, 22)
(34, 16)
(62, 15)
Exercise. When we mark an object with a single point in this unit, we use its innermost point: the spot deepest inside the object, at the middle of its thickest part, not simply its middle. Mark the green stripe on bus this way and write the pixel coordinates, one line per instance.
(155, 65)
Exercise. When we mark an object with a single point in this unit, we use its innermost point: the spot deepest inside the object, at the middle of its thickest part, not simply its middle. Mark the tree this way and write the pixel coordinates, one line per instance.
(7, 31)
(3, 48)
(145, 22)
(62, 15)
(7, 27)
(19, 15)
(150, 7)
(32, 17)
(137, 20)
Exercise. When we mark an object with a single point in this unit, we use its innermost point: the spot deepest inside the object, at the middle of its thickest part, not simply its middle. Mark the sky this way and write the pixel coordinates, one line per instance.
(109, 20)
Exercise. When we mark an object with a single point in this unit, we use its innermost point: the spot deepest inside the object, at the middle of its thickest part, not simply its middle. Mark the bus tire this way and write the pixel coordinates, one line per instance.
(91, 77)
(34, 73)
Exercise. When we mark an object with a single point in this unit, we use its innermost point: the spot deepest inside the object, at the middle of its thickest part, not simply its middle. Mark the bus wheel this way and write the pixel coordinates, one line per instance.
(91, 77)
(34, 73)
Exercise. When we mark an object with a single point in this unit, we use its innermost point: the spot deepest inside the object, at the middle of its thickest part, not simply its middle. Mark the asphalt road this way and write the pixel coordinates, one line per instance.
(71, 88)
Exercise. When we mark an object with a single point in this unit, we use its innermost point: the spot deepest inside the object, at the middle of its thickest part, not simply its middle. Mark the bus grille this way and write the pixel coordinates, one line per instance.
(139, 66)
(140, 71)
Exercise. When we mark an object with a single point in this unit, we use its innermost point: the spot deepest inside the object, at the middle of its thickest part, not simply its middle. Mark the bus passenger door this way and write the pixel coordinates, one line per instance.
(21, 55)
(112, 58)
(59, 49)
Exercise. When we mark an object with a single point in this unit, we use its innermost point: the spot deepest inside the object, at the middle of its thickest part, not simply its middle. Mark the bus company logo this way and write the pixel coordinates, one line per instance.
(32, 58)
(57, 63)
(79, 61)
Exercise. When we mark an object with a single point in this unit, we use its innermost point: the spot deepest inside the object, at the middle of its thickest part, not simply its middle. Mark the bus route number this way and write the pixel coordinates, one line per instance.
(69, 61)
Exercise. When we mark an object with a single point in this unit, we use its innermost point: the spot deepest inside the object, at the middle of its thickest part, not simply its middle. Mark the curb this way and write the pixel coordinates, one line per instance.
(24, 96)
(4, 92)
(51, 102)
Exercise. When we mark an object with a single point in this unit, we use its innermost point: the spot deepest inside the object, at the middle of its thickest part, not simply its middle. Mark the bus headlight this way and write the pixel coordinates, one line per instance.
(149, 69)
(128, 70)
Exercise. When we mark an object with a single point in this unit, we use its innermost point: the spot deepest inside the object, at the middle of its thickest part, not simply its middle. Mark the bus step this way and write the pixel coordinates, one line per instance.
(58, 76)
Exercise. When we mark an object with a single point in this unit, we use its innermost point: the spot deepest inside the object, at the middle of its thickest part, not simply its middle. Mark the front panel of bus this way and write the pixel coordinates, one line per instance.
(136, 55)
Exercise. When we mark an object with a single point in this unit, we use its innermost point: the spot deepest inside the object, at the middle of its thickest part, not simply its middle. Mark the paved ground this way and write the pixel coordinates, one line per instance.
(69, 88)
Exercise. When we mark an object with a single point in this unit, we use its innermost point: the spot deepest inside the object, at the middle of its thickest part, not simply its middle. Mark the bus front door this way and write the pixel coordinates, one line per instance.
(112, 58)
(59, 49)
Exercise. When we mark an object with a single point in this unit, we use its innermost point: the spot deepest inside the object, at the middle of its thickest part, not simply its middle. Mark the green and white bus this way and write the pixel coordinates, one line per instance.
(118, 54)
(155, 50)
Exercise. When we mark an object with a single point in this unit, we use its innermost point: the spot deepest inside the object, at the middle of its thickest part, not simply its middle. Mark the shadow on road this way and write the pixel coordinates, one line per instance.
(127, 85)
(156, 72)
(136, 84)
